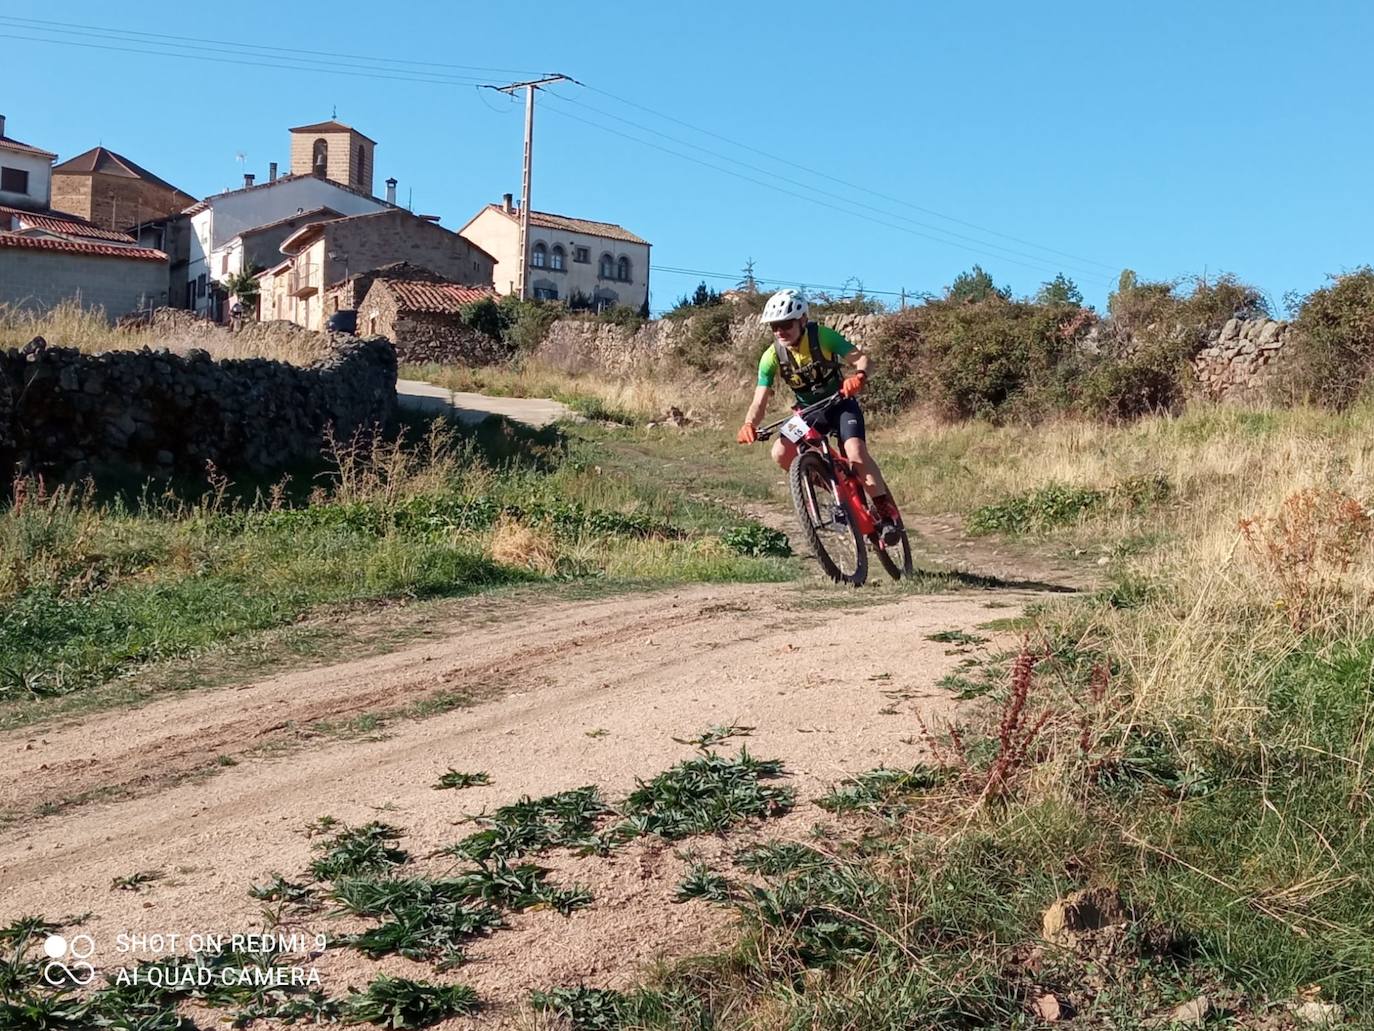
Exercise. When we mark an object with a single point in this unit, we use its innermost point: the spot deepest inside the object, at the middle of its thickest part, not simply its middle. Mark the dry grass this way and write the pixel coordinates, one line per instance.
(515, 544)
(89, 330)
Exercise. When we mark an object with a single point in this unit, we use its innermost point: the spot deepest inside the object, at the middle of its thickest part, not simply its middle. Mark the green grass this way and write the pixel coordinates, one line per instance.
(398, 1002)
(458, 779)
(97, 584)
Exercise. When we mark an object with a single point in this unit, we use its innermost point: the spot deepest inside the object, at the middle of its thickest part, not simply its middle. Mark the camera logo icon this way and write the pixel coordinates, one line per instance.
(58, 971)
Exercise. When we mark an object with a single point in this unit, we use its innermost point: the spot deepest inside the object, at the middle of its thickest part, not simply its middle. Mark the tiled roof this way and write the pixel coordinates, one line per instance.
(107, 162)
(433, 298)
(299, 216)
(100, 250)
(331, 126)
(547, 220)
(61, 222)
(8, 143)
(200, 206)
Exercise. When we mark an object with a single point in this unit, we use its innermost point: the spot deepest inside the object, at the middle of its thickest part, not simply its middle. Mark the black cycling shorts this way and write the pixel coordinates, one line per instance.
(844, 417)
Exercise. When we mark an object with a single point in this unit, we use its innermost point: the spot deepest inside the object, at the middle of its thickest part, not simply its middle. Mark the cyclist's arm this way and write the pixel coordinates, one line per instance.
(845, 351)
(762, 395)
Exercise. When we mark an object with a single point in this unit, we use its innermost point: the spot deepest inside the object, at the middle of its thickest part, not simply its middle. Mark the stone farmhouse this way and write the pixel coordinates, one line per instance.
(112, 191)
(596, 264)
(421, 314)
(322, 256)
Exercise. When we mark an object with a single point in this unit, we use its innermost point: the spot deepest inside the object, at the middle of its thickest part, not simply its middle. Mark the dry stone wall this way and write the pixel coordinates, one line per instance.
(1242, 359)
(63, 413)
(585, 345)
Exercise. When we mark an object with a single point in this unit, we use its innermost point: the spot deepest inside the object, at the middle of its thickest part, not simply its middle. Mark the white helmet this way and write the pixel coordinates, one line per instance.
(784, 305)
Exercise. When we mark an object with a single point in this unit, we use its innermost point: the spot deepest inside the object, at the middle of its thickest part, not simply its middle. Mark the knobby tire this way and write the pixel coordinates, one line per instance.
(809, 471)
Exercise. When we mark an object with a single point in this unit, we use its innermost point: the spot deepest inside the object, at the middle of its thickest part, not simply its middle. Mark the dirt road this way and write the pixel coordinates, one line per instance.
(428, 398)
(217, 786)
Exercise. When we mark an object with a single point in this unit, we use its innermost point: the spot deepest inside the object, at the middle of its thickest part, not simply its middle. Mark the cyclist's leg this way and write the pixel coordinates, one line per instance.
(783, 452)
(850, 425)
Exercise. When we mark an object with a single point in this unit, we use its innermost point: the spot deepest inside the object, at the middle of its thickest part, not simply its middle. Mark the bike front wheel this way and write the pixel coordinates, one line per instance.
(826, 521)
(895, 558)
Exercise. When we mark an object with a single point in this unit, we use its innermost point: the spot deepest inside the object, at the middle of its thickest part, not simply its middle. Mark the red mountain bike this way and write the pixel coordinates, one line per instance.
(832, 507)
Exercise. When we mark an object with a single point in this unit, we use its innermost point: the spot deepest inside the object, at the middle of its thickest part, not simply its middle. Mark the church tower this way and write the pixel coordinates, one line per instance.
(332, 150)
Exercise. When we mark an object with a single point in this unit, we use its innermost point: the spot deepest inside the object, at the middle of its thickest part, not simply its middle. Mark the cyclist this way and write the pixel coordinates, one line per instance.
(808, 357)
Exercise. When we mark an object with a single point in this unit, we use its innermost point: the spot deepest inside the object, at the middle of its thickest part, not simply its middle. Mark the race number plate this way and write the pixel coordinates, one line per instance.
(795, 428)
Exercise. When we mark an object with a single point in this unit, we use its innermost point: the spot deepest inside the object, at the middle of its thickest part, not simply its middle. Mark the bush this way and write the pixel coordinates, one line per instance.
(707, 338)
(520, 325)
(622, 315)
(1331, 357)
(703, 297)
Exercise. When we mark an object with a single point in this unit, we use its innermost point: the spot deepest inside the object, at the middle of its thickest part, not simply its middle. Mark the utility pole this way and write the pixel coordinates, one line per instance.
(529, 88)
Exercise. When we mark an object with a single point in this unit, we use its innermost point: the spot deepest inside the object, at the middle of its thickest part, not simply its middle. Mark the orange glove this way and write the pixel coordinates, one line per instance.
(747, 433)
(853, 384)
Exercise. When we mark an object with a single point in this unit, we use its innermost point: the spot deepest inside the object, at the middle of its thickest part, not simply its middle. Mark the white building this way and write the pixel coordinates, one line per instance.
(330, 168)
(25, 173)
(570, 259)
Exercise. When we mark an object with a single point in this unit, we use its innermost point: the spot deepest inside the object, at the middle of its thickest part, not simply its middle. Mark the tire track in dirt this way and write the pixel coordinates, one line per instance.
(589, 692)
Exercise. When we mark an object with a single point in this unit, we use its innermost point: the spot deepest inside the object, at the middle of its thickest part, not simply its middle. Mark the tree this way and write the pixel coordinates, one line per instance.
(244, 286)
(976, 285)
(1061, 290)
(748, 284)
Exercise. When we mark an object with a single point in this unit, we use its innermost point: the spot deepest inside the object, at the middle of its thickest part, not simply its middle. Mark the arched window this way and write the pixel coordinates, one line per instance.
(545, 290)
(607, 269)
(319, 161)
(556, 258)
(362, 164)
(622, 269)
(539, 256)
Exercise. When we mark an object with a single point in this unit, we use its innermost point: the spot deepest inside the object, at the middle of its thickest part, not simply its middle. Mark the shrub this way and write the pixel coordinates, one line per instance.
(690, 304)
(974, 286)
(520, 325)
(622, 315)
(707, 338)
(1331, 357)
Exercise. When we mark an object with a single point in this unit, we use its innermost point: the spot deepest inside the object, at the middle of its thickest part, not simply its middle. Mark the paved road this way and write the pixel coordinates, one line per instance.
(420, 396)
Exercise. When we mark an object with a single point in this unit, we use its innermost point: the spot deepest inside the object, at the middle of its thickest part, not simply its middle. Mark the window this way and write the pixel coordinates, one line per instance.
(319, 161)
(607, 269)
(224, 264)
(582, 256)
(545, 291)
(622, 270)
(539, 256)
(557, 259)
(200, 285)
(14, 180)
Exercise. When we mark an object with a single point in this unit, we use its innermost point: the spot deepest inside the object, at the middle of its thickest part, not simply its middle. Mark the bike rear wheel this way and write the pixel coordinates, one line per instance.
(827, 522)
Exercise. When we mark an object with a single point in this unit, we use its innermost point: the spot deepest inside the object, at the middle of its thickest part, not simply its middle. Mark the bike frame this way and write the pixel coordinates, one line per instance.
(850, 491)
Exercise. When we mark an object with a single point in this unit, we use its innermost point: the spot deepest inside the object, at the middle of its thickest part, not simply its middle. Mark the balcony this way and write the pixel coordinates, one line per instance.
(303, 280)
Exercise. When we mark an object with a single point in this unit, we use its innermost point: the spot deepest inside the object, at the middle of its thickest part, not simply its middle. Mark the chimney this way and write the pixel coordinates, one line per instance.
(2, 125)
(247, 179)
(272, 172)
(506, 205)
(391, 190)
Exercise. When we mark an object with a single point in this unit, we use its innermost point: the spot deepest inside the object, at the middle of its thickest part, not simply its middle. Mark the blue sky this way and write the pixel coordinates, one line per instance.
(1176, 139)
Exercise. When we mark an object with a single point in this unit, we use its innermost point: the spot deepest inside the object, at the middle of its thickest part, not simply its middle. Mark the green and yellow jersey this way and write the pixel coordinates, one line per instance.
(812, 385)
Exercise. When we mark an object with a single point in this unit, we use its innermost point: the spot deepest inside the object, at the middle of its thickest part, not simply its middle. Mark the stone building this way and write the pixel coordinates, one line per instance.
(332, 150)
(595, 264)
(113, 192)
(324, 254)
(420, 313)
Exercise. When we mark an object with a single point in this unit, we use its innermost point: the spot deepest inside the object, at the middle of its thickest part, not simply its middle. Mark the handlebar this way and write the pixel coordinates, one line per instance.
(767, 431)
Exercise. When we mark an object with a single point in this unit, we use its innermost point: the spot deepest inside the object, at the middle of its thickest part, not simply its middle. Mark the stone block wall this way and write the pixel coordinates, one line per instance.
(39, 280)
(1240, 361)
(63, 412)
(583, 345)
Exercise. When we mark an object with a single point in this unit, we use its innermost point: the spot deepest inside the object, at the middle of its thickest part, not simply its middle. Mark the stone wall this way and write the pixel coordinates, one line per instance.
(585, 344)
(115, 202)
(63, 412)
(1241, 360)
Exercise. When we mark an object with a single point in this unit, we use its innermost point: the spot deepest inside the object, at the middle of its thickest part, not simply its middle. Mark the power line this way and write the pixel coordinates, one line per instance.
(735, 276)
(853, 186)
(1038, 268)
(826, 193)
(351, 72)
(181, 40)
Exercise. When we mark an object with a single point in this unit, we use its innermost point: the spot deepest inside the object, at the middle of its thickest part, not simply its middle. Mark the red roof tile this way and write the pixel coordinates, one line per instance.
(8, 143)
(99, 250)
(433, 298)
(60, 222)
(107, 162)
(331, 126)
